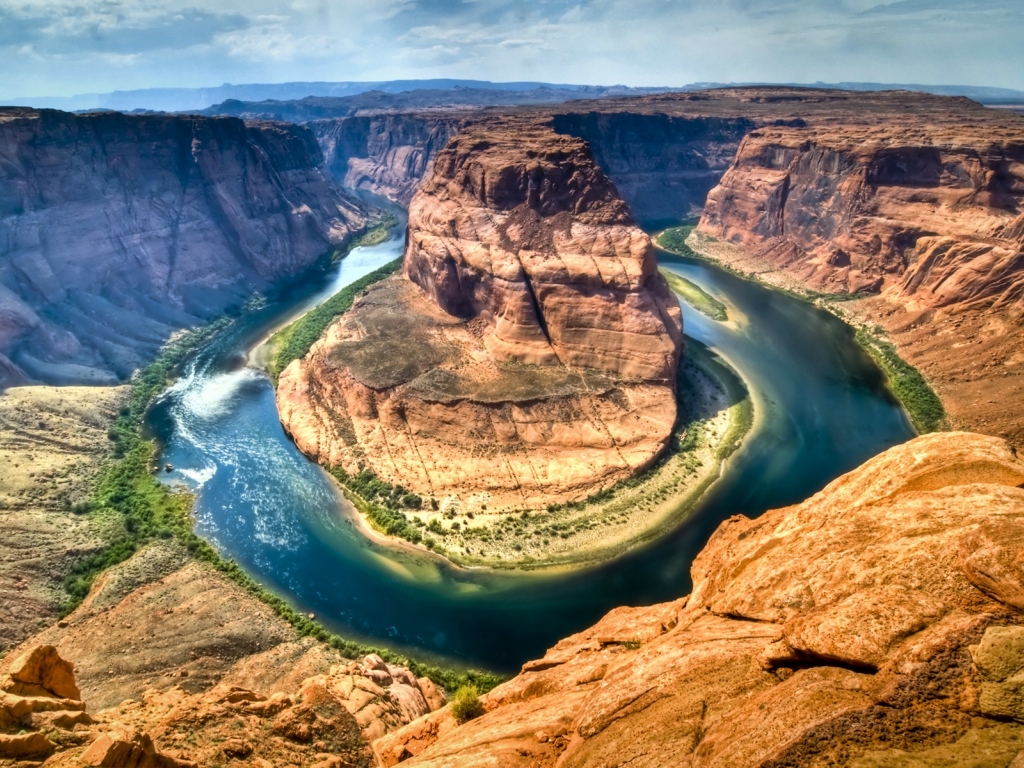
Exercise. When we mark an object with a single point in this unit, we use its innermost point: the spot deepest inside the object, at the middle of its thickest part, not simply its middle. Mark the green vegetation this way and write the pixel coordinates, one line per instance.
(378, 230)
(696, 296)
(294, 341)
(382, 503)
(923, 405)
(674, 240)
(466, 704)
(139, 510)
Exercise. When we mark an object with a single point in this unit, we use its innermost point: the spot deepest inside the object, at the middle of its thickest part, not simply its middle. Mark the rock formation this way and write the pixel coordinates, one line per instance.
(932, 211)
(116, 230)
(328, 721)
(878, 623)
(385, 154)
(530, 351)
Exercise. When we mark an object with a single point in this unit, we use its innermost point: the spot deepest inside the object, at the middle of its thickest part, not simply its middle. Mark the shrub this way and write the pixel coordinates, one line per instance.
(466, 704)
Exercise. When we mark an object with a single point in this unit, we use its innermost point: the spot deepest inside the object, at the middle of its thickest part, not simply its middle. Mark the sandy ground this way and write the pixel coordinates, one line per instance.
(53, 440)
(973, 360)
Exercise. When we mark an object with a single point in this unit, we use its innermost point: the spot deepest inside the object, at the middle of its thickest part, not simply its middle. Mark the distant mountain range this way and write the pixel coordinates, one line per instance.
(195, 99)
(482, 92)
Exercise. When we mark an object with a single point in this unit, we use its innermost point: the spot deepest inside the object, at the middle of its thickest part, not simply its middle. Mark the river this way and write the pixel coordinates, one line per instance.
(822, 409)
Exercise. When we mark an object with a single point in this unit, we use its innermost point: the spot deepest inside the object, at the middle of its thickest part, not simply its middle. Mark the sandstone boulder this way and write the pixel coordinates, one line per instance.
(42, 672)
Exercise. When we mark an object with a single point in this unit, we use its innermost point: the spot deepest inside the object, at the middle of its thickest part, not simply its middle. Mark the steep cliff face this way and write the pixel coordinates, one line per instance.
(879, 623)
(386, 154)
(529, 352)
(934, 212)
(663, 165)
(116, 230)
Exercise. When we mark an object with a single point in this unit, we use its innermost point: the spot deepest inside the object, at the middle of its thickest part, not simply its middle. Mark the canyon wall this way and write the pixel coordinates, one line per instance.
(387, 154)
(933, 211)
(663, 165)
(879, 623)
(528, 353)
(116, 230)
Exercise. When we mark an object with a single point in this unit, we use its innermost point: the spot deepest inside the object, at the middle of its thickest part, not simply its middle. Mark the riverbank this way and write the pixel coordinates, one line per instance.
(923, 406)
(716, 414)
(124, 510)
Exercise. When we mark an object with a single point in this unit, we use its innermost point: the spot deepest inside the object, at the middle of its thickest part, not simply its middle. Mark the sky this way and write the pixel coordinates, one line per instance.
(66, 47)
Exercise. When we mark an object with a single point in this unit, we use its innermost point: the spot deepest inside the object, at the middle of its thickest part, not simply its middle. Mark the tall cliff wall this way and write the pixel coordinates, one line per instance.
(933, 212)
(115, 230)
(387, 154)
(663, 165)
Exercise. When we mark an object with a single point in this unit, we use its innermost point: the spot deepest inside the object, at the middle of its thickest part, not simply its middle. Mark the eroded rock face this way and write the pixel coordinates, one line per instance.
(116, 230)
(871, 625)
(929, 209)
(328, 721)
(385, 154)
(530, 350)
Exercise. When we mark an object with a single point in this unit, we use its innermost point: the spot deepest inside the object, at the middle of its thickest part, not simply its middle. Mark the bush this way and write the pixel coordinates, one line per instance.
(466, 704)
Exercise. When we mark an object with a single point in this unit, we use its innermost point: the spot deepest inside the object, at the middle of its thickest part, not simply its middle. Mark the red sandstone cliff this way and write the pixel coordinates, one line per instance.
(116, 230)
(532, 356)
(932, 211)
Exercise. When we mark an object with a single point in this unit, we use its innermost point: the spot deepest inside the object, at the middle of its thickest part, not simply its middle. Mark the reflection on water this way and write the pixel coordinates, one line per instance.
(822, 409)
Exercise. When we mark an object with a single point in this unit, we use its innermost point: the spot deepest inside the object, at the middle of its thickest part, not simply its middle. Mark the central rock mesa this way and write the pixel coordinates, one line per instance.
(526, 355)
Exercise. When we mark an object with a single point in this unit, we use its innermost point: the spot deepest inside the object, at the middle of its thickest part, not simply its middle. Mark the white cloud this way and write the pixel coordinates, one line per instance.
(654, 42)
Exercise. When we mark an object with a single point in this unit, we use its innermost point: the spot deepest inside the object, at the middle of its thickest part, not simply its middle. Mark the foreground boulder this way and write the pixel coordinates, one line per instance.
(529, 352)
(879, 623)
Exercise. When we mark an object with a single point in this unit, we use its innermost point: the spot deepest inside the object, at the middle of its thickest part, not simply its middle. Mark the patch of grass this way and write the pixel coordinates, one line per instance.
(696, 296)
(382, 503)
(907, 383)
(294, 341)
(145, 511)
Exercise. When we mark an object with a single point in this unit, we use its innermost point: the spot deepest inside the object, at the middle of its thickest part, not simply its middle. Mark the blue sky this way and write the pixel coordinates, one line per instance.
(63, 47)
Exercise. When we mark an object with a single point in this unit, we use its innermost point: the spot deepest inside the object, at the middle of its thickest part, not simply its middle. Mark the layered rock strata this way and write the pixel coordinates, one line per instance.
(878, 623)
(933, 212)
(387, 154)
(529, 351)
(116, 230)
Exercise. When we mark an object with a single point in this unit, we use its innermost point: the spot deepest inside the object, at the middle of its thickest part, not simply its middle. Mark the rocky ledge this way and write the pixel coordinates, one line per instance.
(879, 623)
(326, 723)
(527, 355)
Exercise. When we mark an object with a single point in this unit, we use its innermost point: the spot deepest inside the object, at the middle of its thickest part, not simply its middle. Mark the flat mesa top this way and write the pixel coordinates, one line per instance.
(395, 336)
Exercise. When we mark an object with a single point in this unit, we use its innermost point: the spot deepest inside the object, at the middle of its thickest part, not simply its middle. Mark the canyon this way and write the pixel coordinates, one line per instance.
(118, 230)
(909, 202)
(877, 623)
(528, 353)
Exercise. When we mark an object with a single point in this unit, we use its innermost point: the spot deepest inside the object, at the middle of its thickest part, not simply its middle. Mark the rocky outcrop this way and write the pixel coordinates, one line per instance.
(931, 211)
(387, 154)
(328, 721)
(877, 623)
(116, 230)
(530, 350)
